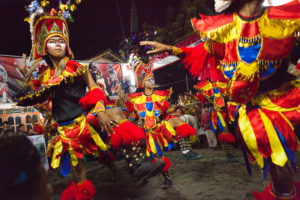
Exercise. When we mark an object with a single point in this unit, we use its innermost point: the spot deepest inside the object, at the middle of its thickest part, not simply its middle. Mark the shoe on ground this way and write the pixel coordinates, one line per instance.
(191, 156)
(166, 184)
(146, 171)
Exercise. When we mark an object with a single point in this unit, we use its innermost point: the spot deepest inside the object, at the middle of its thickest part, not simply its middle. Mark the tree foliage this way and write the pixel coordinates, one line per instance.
(177, 20)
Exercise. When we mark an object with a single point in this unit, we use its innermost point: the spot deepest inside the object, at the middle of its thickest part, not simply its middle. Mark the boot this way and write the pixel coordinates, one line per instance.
(271, 194)
(186, 149)
(168, 181)
(140, 171)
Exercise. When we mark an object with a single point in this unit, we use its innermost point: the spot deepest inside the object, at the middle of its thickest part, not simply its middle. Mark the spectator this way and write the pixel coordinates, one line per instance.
(6, 128)
(21, 129)
(211, 137)
(22, 173)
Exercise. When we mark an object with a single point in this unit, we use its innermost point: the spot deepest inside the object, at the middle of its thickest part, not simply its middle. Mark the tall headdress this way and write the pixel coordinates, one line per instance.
(47, 19)
(136, 55)
(141, 72)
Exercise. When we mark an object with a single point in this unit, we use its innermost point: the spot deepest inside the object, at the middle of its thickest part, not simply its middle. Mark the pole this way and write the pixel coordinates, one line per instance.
(187, 82)
(121, 22)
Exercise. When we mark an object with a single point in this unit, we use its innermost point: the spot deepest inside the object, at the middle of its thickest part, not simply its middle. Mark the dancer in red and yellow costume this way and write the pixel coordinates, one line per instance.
(253, 44)
(149, 109)
(214, 94)
(80, 115)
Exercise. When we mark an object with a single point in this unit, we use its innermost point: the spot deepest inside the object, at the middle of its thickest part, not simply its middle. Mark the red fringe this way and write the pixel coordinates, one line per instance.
(167, 162)
(164, 106)
(129, 106)
(38, 129)
(201, 63)
(91, 98)
(269, 195)
(226, 137)
(297, 66)
(125, 134)
(201, 98)
(106, 157)
(185, 130)
(36, 84)
(79, 191)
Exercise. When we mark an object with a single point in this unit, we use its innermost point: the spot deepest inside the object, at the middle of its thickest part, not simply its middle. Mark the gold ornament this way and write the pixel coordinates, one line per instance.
(63, 7)
(27, 19)
(77, 1)
(73, 7)
(44, 3)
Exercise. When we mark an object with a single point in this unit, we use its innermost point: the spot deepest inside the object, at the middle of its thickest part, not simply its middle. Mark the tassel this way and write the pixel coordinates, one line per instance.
(226, 137)
(79, 191)
(200, 63)
(38, 129)
(126, 133)
(91, 98)
(297, 66)
(185, 130)
(268, 194)
(167, 162)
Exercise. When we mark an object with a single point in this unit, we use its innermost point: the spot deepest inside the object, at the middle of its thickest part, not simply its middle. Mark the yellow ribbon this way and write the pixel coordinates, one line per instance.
(278, 155)
(249, 135)
(73, 156)
(170, 128)
(152, 144)
(97, 139)
(57, 150)
(221, 119)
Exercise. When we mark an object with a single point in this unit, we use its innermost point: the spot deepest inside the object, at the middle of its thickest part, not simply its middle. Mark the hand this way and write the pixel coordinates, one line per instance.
(296, 72)
(120, 93)
(105, 122)
(22, 68)
(157, 47)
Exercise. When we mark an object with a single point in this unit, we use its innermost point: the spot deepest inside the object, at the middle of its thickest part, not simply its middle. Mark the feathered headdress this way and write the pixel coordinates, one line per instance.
(47, 19)
(130, 46)
(141, 72)
(136, 55)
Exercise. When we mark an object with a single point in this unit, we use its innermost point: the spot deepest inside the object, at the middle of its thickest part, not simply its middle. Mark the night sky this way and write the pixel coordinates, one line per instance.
(96, 25)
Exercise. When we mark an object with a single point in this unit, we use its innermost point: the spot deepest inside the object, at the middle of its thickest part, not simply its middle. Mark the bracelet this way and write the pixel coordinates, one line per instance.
(93, 88)
(99, 107)
(176, 51)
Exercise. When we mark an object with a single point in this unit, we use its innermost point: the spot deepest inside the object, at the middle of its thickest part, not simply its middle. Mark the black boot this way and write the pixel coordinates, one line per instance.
(185, 146)
(168, 181)
(140, 170)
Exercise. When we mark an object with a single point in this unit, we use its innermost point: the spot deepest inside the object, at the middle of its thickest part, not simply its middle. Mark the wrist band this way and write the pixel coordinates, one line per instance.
(99, 107)
(176, 51)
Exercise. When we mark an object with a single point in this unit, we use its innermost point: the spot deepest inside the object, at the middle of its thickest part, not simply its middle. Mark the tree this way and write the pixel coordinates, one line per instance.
(178, 23)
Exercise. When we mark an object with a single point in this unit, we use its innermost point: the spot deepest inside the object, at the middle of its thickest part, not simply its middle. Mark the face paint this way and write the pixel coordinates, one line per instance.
(56, 47)
(53, 44)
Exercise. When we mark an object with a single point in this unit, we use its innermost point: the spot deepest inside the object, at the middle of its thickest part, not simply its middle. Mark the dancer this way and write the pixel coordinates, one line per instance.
(214, 93)
(79, 114)
(253, 44)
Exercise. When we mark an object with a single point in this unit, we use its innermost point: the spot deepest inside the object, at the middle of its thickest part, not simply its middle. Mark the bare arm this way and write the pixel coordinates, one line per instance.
(157, 47)
(22, 68)
(103, 119)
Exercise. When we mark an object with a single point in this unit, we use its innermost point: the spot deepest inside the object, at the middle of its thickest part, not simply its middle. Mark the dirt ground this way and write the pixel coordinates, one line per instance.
(209, 178)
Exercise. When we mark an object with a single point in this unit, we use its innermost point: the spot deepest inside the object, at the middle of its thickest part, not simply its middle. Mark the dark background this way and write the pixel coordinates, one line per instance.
(96, 25)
